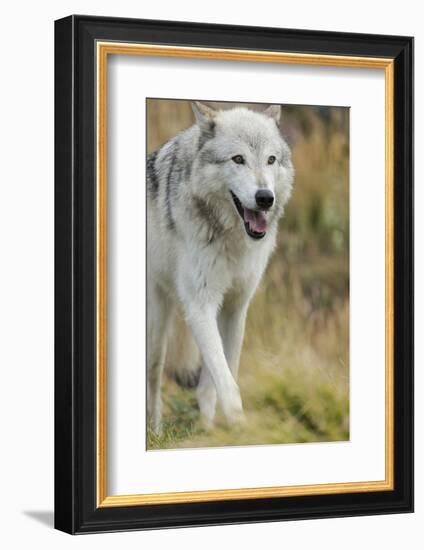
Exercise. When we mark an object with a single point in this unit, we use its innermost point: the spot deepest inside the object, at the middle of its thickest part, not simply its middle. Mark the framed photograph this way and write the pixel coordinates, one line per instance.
(234, 274)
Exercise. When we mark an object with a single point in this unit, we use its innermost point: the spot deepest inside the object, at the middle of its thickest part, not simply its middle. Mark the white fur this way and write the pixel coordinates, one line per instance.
(211, 270)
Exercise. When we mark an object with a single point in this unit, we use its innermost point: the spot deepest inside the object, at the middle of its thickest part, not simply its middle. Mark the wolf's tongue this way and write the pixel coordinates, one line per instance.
(256, 220)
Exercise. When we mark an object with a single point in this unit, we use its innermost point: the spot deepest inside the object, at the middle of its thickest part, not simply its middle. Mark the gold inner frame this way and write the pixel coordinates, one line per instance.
(103, 50)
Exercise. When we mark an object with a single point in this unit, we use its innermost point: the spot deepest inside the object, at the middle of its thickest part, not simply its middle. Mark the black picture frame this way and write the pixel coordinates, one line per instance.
(76, 510)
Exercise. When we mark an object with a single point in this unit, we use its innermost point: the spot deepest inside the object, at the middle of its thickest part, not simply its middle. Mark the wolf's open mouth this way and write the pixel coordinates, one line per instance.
(255, 221)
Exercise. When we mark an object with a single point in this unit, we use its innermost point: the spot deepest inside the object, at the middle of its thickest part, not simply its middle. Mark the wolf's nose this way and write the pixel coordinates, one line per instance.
(264, 198)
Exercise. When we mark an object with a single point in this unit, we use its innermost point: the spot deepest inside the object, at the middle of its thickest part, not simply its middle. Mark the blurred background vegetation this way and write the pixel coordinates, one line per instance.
(294, 371)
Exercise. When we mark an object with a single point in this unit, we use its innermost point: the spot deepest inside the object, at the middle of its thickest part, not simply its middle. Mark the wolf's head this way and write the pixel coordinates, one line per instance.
(244, 160)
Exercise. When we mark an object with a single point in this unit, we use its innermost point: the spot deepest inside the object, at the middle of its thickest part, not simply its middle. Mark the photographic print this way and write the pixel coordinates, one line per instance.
(233, 274)
(247, 273)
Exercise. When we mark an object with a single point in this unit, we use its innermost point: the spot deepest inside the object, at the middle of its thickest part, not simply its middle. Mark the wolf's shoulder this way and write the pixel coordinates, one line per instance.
(174, 157)
(183, 146)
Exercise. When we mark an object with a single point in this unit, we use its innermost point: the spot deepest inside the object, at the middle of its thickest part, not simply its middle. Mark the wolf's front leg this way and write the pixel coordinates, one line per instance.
(204, 325)
(206, 398)
(159, 315)
(232, 321)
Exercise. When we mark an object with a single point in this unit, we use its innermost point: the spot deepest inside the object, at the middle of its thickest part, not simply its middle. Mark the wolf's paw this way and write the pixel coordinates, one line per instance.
(233, 411)
(156, 428)
(206, 423)
(237, 420)
(187, 378)
(154, 422)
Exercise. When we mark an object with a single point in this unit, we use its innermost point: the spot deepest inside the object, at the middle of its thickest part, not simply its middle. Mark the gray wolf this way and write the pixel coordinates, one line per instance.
(215, 193)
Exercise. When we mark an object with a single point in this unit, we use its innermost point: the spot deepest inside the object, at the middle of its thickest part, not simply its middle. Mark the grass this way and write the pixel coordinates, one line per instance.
(294, 373)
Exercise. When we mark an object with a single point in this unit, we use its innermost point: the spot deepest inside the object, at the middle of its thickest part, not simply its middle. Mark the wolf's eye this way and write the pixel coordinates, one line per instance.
(271, 159)
(238, 159)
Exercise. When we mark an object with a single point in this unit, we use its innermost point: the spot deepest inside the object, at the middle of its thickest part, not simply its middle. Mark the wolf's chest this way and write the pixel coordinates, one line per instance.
(233, 272)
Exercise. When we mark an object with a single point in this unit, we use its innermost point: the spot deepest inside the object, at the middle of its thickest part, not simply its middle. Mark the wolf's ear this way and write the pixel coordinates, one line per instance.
(205, 116)
(274, 111)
